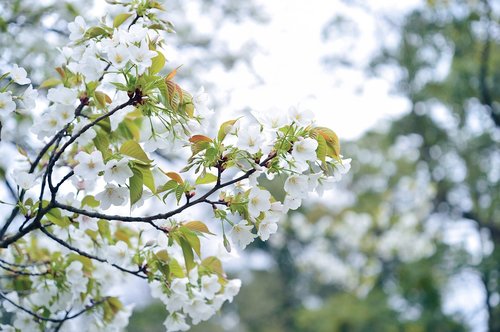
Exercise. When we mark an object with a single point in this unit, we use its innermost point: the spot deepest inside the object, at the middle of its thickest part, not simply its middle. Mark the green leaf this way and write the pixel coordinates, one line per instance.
(147, 177)
(197, 226)
(213, 264)
(49, 83)
(162, 255)
(104, 229)
(90, 200)
(178, 193)
(192, 238)
(95, 31)
(176, 268)
(120, 18)
(206, 178)
(158, 62)
(170, 185)
(101, 141)
(225, 128)
(136, 186)
(322, 148)
(55, 216)
(187, 251)
(331, 139)
(134, 150)
(102, 99)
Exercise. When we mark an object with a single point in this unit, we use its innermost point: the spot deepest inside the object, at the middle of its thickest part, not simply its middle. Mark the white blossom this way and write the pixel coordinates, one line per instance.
(112, 195)
(62, 95)
(25, 322)
(297, 186)
(119, 56)
(267, 227)
(242, 235)
(18, 74)
(7, 105)
(176, 322)
(250, 139)
(89, 165)
(85, 137)
(24, 179)
(258, 201)
(117, 171)
(305, 149)
(210, 286)
(303, 117)
(77, 28)
(141, 56)
(231, 289)
(28, 100)
(119, 254)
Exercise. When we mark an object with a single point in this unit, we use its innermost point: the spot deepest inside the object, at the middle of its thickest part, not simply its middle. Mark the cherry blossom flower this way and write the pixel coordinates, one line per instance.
(112, 195)
(305, 149)
(77, 28)
(176, 322)
(24, 179)
(258, 201)
(7, 105)
(297, 186)
(267, 227)
(242, 235)
(18, 74)
(89, 164)
(136, 33)
(119, 254)
(119, 56)
(303, 117)
(28, 100)
(86, 222)
(272, 119)
(87, 136)
(141, 56)
(117, 171)
(231, 289)
(62, 95)
(250, 139)
(210, 286)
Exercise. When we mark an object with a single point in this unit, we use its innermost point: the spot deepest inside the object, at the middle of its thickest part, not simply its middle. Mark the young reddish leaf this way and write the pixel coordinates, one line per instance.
(172, 74)
(176, 177)
(199, 138)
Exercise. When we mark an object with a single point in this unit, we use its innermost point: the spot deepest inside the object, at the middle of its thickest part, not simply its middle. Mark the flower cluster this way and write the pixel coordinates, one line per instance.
(100, 200)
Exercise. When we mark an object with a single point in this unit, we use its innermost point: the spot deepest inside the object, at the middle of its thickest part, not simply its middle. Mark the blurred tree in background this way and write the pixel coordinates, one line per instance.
(384, 259)
(389, 258)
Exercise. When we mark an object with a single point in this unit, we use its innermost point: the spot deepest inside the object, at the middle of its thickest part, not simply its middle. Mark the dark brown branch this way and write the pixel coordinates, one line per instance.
(90, 256)
(22, 273)
(167, 215)
(52, 320)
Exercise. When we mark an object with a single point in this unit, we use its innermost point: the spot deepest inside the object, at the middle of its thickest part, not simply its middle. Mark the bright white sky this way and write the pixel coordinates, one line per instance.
(290, 65)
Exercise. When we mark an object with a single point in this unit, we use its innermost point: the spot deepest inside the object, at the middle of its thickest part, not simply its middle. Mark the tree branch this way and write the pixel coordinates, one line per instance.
(90, 256)
(52, 320)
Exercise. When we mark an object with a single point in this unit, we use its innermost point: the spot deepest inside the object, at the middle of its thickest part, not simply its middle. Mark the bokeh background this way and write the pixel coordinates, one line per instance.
(410, 239)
